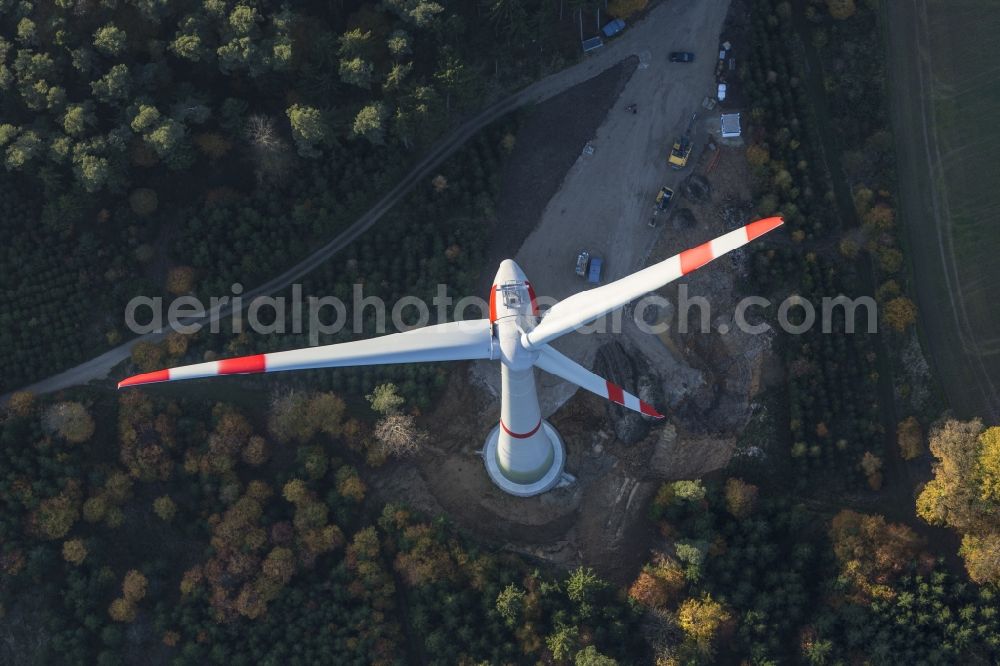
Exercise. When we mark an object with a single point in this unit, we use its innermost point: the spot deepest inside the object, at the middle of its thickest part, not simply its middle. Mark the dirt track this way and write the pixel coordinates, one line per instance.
(961, 345)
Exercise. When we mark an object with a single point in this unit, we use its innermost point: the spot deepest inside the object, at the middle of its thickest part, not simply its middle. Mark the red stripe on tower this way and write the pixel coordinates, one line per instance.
(493, 304)
(696, 257)
(760, 227)
(146, 378)
(531, 295)
(242, 365)
(521, 435)
(615, 393)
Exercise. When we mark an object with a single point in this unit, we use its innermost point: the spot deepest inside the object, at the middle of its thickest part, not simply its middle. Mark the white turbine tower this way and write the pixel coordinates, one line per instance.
(524, 455)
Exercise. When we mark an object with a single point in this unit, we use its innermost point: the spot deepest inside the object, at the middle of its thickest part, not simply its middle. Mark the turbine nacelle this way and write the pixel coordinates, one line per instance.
(513, 312)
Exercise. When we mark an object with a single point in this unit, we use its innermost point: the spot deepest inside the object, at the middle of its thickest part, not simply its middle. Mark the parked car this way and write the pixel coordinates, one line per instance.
(594, 276)
(722, 92)
(582, 261)
(681, 56)
(613, 28)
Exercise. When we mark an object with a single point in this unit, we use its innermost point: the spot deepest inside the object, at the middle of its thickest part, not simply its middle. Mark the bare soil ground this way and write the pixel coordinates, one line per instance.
(550, 140)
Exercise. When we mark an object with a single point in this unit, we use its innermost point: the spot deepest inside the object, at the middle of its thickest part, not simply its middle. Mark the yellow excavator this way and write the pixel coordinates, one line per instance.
(681, 150)
(680, 153)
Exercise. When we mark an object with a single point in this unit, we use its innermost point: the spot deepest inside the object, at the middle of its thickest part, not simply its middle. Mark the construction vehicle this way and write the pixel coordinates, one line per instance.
(663, 198)
(680, 153)
(681, 150)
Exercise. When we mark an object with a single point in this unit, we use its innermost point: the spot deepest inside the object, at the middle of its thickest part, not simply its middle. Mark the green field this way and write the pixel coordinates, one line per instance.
(946, 87)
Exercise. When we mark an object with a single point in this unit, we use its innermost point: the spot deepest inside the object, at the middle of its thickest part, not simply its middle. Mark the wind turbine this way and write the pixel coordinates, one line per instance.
(524, 455)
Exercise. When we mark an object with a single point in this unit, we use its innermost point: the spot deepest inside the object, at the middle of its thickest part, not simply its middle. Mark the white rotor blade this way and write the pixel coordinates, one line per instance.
(583, 308)
(559, 365)
(455, 341)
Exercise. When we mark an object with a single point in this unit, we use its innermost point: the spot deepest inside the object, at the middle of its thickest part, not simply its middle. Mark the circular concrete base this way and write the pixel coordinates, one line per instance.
(551, 478)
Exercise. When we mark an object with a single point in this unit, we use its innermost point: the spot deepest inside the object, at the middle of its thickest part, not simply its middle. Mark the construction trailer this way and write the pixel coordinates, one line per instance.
(731, 125)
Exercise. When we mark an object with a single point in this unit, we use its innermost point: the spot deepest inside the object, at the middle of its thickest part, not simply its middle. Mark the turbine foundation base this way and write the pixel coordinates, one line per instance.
(552, 478)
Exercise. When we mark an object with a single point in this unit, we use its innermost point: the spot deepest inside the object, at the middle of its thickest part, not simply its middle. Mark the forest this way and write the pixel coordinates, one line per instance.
(129, 128)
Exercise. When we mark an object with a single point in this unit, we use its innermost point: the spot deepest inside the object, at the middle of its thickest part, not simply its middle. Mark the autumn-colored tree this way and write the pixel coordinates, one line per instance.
(658, 584)
(863, 198)
(326, 413)
(70, 420)
(989, 465)
(146, 435)
(95, 509)
(122, 611)
(849, 248)
(440, 184)
(259, 490)
(191, 580)
(890, 259)
(279, 564)
(700, 619)
(56, 515)
(880, 218)
(965, 492)
(841, 9)
(256, 451)
(231, 434)
(299, 417)
(180, 280)
(982, 557)
(118, 487)
(871, 551)
(350, 485)
(165, 508)
(900, 313)
(626, 8)
(649, 591)
(176, 344)
(757, 155)
(953, 496)
(741, 498)
(296, 491)
(21, 403)
(871, 465)
(147, 356)
(910, 438)
(74, 551)
(134, 586)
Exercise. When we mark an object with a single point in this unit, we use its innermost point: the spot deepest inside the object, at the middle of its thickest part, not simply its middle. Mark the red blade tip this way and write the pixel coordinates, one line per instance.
(761, 227)
(648, 410)
(145, 378)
